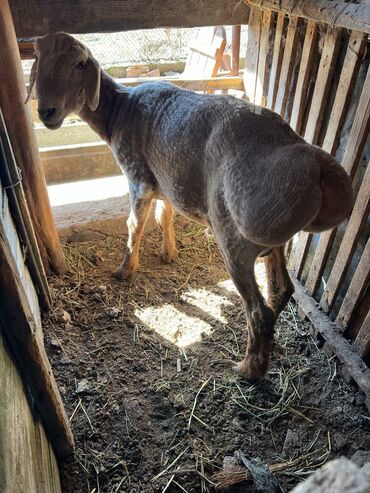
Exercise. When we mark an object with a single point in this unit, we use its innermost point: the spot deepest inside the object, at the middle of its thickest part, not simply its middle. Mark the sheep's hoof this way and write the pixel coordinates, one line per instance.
(123, 272)
(168, 256)
(251, 371)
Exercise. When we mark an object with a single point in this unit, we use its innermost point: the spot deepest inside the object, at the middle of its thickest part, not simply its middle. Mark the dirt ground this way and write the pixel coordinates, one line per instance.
(144, 369)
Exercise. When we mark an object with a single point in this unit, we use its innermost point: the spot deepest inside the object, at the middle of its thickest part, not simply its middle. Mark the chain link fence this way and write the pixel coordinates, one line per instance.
(150, 45)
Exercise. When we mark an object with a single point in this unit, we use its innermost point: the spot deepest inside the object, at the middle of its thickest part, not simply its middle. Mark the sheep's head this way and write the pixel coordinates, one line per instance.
(67, 77)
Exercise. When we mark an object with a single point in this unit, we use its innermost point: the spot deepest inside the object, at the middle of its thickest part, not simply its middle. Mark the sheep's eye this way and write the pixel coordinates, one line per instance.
(80, 65)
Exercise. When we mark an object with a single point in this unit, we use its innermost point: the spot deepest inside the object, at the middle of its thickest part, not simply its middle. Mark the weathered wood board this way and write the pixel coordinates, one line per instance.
(27, 460)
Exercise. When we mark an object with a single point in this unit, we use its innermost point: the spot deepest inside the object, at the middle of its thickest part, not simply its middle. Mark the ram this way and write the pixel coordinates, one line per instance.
(237, 168)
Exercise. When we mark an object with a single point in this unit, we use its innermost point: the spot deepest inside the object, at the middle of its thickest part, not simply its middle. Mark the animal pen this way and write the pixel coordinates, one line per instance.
(152, 409)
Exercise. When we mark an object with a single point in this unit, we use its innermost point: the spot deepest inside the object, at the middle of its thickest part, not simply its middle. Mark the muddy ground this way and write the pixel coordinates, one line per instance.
(144, 369)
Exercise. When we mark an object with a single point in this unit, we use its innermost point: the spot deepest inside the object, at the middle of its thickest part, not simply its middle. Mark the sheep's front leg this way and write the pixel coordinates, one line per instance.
(239, 255)
(140, 197)
(164, 218)
(280, 287)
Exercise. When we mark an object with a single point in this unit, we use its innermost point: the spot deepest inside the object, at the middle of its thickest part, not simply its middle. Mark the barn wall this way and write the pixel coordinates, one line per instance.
(27, 461)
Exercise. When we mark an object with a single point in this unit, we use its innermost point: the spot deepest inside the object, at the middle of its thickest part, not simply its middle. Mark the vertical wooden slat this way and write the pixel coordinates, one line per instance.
(300, 253)
(309, 53)
(251, 59)
(323, 84)
(362, 342)
(359, 283)
(277, 59)
(355, 145)
(355, 226)
(315, 117)
(287, 64)
(359, 131)
(235, 50)
(264, 56)
(351, 65)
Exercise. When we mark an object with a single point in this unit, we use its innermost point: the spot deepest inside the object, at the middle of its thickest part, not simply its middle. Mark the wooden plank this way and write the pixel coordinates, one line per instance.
(252, 55)
(351, 65)
(359, 131)
(300, 253)
(19, 126)
(354, 228)
(27, 461)
(88, 16)
(20, 215)
(287, 64)
(362, 342)
(23, 336)
(277, 59)
(349, 15)
(331, 333)
(71, 163)
(235, 50)
(323, 84)
(264, 58)
(309, 52)
(358, 286)
(355, 146)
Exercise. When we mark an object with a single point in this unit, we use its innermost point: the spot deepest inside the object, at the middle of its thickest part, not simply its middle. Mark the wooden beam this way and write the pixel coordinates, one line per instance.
(235, 50)
(351, 65)
(309, 52)
(288, 63)
(349, 15)
(352, 154)
(356, 290)
(277, 58)
(354, 229)
(252, 55)
(331, 333)
(23, 336)
(264, 59)
(19, 126)
(39, 17)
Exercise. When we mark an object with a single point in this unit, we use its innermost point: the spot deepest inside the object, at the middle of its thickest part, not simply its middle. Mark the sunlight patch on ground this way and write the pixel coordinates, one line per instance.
(259, 272)
(210, 303)
(173, 325)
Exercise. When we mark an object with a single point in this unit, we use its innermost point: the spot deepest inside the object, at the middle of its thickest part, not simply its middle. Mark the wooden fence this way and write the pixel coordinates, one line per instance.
(310, 74)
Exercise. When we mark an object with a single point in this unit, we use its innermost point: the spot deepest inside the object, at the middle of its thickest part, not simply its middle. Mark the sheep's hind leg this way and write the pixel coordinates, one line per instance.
(141, 198)
(279, 285)
(240, 255)
(164, 218)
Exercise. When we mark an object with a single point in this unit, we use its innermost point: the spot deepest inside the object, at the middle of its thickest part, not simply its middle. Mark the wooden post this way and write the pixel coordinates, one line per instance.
(235, 50)
(18, 122)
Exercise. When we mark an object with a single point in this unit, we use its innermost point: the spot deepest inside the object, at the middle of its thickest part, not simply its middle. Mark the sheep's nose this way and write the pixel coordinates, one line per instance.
(46, 114)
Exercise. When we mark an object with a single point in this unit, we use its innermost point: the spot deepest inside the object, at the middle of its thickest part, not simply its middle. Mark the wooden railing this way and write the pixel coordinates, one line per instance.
(300, 75)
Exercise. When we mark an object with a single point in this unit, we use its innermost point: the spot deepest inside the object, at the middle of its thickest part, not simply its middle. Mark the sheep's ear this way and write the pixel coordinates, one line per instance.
(92, 84)
(32, 81)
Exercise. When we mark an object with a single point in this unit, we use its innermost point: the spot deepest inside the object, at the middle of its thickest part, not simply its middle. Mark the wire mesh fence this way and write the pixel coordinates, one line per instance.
(150, 45)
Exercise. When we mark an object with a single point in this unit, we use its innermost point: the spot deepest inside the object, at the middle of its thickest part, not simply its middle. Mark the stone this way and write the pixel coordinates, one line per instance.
(361, 457)
(337, 476)
(113, 312)
(83, 386)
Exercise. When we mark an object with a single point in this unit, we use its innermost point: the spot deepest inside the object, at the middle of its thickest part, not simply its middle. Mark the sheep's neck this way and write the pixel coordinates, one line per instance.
(102, 119)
